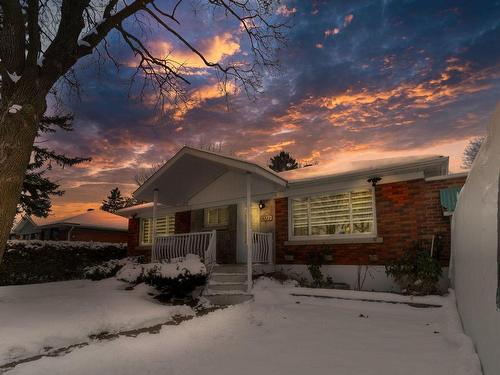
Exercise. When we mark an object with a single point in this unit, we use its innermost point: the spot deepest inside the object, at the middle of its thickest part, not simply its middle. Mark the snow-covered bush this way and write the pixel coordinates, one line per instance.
(416, 272)
(175, 279)
(107, 269)
(33, 261)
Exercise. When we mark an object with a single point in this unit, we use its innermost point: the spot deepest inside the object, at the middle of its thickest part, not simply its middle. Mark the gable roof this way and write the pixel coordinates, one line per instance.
(96, 219)
(190, 168)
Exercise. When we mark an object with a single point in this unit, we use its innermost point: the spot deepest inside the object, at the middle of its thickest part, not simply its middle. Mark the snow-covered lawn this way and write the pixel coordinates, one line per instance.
(34, 317)
(280, 333)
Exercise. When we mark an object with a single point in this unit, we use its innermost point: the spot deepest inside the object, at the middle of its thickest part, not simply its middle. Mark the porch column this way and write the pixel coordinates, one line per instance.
(155, 206)
(249, 231)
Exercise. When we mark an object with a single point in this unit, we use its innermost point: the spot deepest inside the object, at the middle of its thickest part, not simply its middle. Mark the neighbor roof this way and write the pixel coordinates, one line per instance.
(97, 219)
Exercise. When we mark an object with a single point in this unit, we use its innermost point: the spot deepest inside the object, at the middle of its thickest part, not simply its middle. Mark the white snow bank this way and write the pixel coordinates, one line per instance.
(282, 334)
(62, 313)
(15, 108)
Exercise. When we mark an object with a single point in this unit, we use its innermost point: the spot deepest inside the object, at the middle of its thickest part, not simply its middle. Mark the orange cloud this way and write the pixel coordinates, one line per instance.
(348, 19)
(330, 32)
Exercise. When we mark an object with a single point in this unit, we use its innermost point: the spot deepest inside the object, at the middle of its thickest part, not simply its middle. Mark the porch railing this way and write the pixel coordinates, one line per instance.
(174, 246)
(262, 249)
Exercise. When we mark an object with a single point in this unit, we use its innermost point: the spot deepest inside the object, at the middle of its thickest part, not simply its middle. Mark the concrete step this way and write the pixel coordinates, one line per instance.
(228, 277)
(230, 268)
(225, 299)
(226, 287)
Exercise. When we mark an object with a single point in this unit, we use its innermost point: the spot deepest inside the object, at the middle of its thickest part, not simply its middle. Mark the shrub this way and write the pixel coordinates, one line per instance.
(173, 280)
(318, 279)
(416, 272)
(29, 262)
(107, 269)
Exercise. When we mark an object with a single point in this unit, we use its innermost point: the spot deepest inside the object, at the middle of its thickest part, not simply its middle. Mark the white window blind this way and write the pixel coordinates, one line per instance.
(333, 214)
(164, 225)
(216, 216)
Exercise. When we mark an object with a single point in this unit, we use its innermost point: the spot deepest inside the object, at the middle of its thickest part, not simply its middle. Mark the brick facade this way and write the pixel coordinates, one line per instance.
(406, 212)
(133, 244)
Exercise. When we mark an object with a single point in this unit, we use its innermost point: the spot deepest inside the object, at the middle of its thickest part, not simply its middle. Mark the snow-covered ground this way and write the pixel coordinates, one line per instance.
(33, 317)
(279, 333)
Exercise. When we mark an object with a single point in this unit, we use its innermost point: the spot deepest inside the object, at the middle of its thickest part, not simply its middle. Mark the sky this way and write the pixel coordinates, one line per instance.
(357, 80)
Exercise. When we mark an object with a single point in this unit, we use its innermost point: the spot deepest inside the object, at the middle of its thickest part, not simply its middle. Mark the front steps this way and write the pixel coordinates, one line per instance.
(227, 285)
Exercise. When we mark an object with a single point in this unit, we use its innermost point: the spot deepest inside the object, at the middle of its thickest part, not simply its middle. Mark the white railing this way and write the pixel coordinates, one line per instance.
(173, 246)
(262, 249)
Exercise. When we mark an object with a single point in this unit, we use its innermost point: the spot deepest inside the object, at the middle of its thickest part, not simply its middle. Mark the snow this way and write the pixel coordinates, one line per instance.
(336, 169)
(279, 333)
(191, 264)
(90, 219)
(15, 108)
(14, 77)
(13, 245)
(84, 43)
(40, 60)
(63, 313)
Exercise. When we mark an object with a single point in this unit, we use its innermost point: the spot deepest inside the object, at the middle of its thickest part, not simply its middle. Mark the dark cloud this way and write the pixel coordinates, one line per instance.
(390, 76)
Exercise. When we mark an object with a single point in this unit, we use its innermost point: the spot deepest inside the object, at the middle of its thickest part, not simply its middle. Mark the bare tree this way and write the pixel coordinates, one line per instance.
(145, 173)
(471, 151)
(42, 40)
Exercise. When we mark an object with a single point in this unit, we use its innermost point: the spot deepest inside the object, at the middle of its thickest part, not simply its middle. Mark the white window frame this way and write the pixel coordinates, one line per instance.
(141, 229)
(205, 217)
(293, 237)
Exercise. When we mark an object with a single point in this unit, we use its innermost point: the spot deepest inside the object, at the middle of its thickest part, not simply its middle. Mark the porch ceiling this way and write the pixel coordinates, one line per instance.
(190, 171)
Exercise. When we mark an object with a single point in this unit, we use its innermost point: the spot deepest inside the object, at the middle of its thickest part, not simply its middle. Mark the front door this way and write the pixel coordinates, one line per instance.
(222, 219)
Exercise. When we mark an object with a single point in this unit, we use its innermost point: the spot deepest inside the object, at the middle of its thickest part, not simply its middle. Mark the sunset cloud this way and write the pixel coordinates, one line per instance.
(391, 84)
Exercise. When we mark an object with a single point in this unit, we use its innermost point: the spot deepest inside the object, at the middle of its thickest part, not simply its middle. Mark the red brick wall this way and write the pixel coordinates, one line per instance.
(85, 234)
(133, 248)
(182, 222)
(406, 212)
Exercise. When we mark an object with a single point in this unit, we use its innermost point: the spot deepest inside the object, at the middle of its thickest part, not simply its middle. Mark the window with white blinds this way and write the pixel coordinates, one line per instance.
(164, 225)
(216, 216)
(336, 214)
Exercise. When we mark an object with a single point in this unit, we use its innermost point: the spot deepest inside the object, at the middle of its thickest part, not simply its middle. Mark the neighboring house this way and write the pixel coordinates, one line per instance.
(93, 225)
(364, 213)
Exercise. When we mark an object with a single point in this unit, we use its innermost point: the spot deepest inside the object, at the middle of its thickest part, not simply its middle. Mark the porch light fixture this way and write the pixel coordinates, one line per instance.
(374, 180)
(262, 205)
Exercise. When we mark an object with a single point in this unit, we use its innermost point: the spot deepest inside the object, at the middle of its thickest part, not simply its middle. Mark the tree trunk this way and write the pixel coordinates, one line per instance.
(17, 134)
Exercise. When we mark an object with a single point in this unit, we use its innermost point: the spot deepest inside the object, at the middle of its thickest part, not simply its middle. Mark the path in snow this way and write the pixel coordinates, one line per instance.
(284, 334)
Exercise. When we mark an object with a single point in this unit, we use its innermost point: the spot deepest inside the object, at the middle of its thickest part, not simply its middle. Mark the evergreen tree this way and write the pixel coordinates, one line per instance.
(283, 162)
(37, 187)
(115, 201)
(471, 151)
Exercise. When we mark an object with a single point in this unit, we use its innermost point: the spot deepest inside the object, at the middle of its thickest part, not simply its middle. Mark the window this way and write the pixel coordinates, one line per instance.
(334, 215)
(164, 225)
(216, 216)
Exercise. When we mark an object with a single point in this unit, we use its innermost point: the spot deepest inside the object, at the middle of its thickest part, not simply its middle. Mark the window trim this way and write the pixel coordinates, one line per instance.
(313, 238)
(218, 225)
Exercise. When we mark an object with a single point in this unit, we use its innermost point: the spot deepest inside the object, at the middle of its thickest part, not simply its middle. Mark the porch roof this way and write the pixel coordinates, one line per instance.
(191, 170)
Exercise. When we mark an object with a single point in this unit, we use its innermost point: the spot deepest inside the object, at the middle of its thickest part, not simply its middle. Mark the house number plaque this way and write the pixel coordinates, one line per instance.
(266, 218)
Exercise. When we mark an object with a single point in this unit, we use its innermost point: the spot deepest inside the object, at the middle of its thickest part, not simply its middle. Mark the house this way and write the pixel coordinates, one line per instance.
(360, 216)
(93, 225)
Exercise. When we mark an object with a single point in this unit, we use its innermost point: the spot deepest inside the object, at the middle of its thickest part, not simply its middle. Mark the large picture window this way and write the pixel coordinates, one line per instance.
(164, 225)
(333, 215)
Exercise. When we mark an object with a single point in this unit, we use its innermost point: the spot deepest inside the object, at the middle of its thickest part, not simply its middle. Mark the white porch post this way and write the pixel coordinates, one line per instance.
(155, 206)
(249, 231)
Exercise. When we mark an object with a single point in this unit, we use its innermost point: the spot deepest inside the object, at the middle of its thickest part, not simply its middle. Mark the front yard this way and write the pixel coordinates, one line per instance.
(278, 333)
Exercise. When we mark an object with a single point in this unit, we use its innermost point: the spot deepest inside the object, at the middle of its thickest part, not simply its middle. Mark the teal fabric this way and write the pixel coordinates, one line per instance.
(449, 198)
